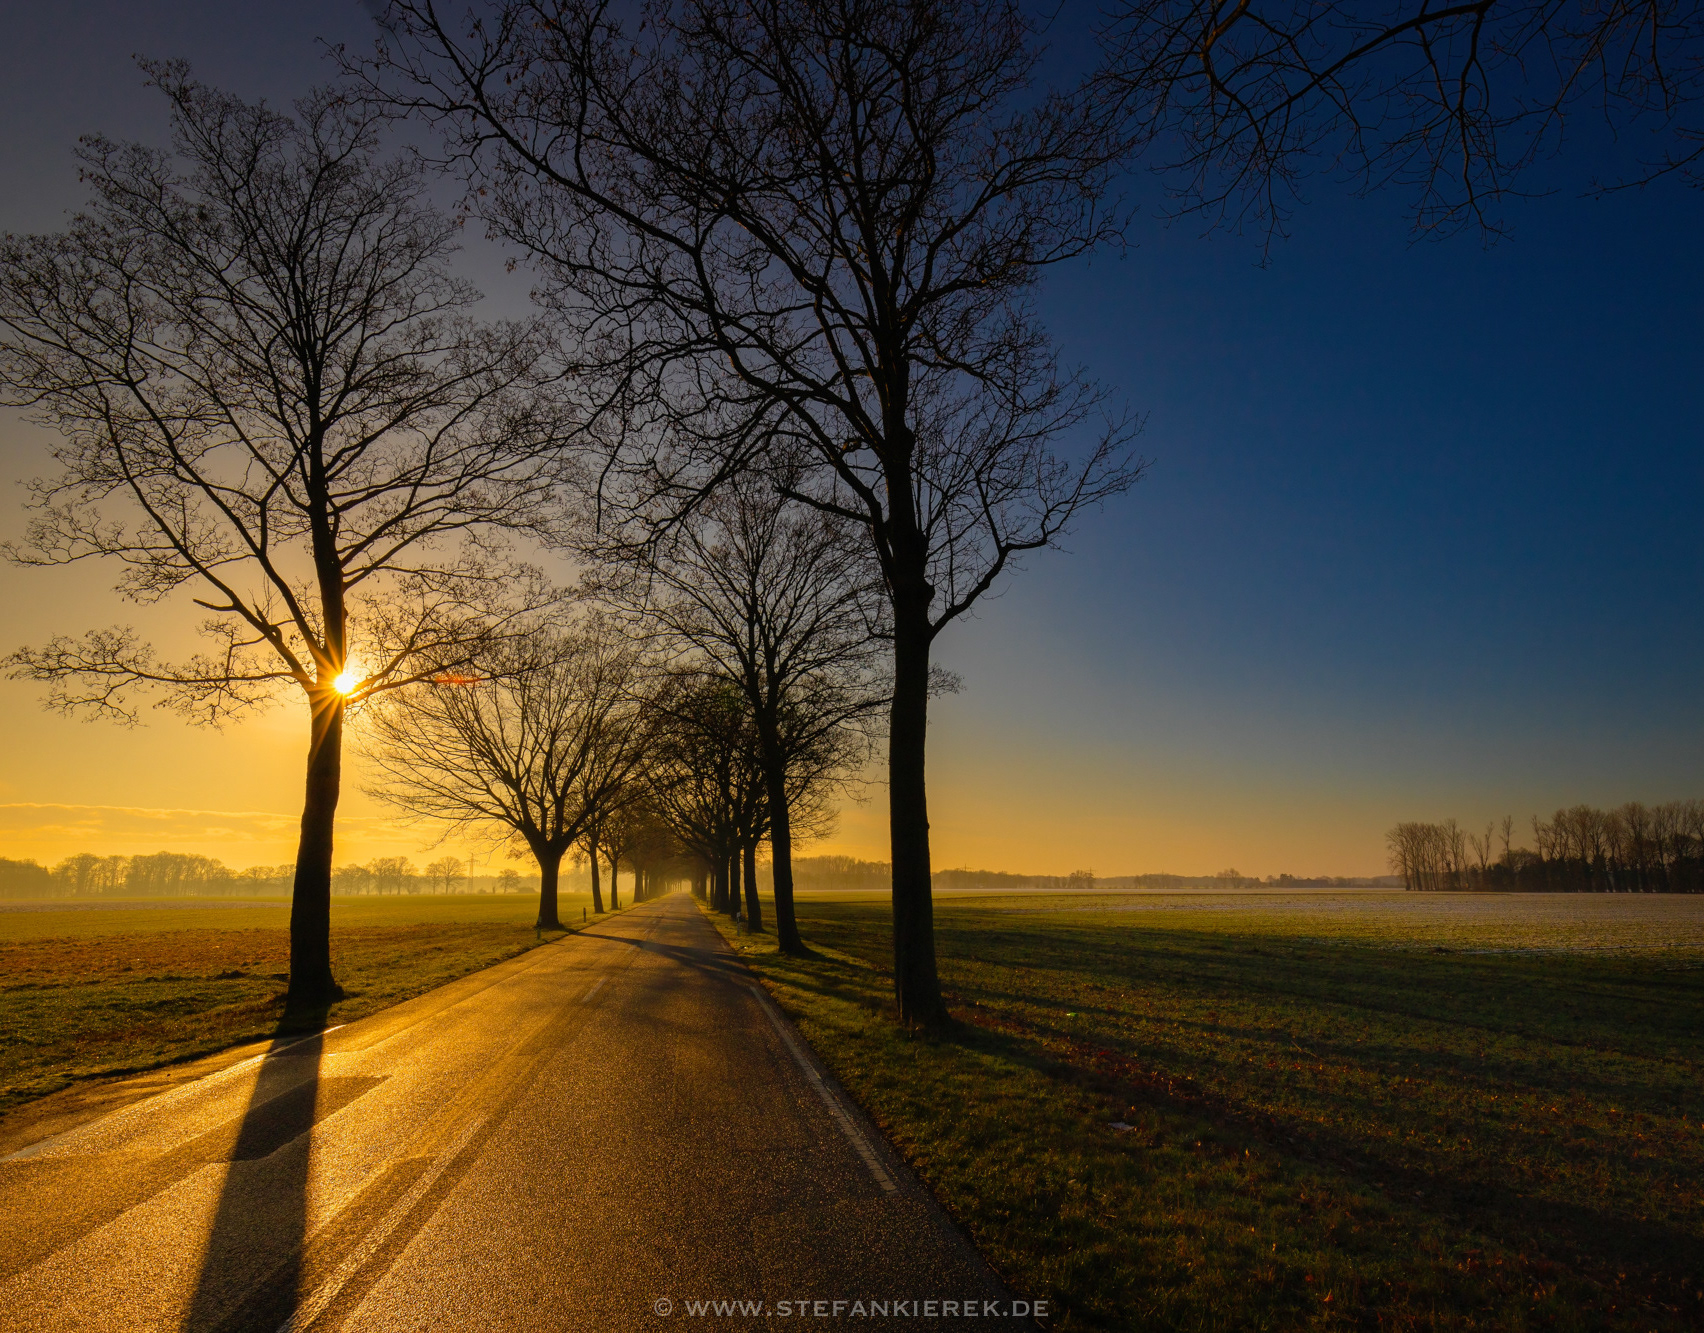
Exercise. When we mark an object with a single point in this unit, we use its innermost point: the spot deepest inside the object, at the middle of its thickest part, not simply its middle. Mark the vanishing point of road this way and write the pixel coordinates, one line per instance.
(615, 1131)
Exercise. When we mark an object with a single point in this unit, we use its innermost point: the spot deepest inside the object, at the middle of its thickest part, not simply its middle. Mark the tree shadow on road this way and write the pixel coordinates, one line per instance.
(251, 1264)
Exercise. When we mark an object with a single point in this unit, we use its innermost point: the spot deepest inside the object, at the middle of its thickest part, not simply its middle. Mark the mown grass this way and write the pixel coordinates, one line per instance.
(1323, 1132)
(88, 994)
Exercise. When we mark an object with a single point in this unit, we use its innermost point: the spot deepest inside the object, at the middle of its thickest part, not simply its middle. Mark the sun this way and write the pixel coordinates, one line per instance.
(348, 682)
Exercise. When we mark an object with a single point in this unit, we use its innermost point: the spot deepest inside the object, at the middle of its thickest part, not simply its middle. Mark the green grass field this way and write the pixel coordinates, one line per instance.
(115, 987)
(1370, 1111)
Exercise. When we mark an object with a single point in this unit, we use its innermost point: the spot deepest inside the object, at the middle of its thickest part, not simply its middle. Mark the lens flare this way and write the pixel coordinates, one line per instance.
(348, 682)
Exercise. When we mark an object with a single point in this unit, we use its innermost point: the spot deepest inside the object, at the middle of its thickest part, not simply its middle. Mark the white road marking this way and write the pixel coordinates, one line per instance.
(848, 1126)
(596, 986)
(311, 1309)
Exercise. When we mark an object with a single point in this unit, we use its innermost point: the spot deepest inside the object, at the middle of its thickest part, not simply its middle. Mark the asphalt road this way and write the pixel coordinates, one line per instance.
(617, 1131)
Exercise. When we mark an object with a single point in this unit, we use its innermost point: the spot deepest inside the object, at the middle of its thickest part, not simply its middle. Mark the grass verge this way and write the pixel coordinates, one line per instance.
(1317, 1134)
(97, 994)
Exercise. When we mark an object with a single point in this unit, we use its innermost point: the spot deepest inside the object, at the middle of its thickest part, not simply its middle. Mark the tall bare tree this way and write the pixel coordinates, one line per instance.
(269, 400)
(538, 749)
(1451, 100)
(810, 229)
(777, 598)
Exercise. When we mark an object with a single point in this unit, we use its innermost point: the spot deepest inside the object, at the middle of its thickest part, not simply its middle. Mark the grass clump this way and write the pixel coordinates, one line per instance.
(1319, 1134)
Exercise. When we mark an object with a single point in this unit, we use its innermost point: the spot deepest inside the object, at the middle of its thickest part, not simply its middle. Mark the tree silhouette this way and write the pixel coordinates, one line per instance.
(1453, 101)
(705, 781)
(539, 749)
(776, 598)
(268, 398)
(805, 232)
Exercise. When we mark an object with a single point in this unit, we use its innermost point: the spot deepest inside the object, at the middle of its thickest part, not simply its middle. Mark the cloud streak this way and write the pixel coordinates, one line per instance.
(48, 831)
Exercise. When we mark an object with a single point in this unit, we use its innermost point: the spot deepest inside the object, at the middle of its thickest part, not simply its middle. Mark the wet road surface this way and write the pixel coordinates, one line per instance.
(616, 1131)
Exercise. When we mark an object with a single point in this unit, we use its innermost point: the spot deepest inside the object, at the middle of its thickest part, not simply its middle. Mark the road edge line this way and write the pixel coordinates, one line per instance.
(854, 1134)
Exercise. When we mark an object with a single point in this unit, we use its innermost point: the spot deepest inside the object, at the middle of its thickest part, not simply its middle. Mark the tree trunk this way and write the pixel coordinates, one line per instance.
(311, 984)
(614, 881)
(732, 906)
(781, 853)
(549, 875)
(917, 989)
(597, 892)
(753, 910)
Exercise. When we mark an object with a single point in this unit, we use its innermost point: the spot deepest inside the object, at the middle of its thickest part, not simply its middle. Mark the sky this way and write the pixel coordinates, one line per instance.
(1419, 538)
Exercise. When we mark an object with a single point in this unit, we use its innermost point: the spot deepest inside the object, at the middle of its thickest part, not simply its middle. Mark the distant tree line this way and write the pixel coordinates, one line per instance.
(645, 847)
(156, 875)
(1634, 848)
(179, 874)
(827, 874)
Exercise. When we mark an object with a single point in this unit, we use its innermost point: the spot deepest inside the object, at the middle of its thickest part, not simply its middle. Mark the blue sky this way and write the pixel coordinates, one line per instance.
(1419, 540)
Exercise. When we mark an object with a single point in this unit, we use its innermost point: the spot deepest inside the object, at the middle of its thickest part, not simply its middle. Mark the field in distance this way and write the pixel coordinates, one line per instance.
(1355, 1109)
(1511, 922)
(101, 988)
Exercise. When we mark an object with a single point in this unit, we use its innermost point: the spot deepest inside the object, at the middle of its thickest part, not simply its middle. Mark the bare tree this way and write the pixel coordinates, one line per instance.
(1452, 100)
(1456, 854)
(1482, 844)
(1404, 847)
(588, 851)
(268, 398)
(776, 598)
(705, 781)
(620, 836)
(611, 830)
(392, 874)
(537, 750)
(812, 231)
(648, 846)
(444, 874)
(635, 836)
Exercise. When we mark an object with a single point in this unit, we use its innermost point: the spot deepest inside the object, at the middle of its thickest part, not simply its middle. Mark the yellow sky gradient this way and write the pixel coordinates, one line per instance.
(73, 787)
(1349, 594)
(1006, 797)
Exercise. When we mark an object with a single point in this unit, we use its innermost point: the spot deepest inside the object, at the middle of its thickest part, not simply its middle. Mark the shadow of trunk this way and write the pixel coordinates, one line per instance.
(250, 1266)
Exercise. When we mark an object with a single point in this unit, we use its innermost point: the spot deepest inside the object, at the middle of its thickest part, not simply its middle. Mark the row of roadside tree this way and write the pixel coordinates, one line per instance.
(792, 249)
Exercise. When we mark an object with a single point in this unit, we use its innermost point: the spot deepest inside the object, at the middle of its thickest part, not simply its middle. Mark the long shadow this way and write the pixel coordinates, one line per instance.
(1602, 1241)
(701, 958)
(252, 1260)
(1597, 1241)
